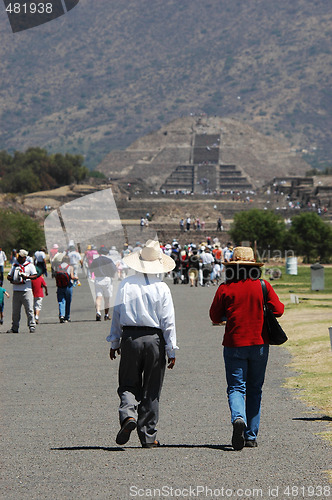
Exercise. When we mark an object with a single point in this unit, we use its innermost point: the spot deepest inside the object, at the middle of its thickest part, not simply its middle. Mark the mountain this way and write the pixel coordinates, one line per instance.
(107, 73)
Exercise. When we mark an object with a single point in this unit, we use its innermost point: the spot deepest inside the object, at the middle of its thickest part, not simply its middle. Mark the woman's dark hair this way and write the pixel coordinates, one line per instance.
(236, 273)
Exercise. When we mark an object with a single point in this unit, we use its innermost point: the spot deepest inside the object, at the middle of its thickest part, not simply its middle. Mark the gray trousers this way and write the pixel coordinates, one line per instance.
(25, 299)
(141, 375)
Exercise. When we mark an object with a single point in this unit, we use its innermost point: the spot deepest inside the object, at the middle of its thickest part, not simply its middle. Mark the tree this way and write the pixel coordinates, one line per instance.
(311, 237)
(262, 226)
(19, 231)
(36, 170)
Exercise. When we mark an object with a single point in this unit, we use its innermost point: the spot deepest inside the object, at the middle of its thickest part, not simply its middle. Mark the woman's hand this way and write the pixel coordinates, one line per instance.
(171, 363)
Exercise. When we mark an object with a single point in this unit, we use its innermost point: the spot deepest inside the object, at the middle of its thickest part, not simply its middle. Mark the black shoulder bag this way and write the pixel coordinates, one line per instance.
(276, 334)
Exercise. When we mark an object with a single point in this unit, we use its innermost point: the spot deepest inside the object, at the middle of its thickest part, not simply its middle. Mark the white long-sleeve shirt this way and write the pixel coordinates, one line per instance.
(3, 258)
(140, 304)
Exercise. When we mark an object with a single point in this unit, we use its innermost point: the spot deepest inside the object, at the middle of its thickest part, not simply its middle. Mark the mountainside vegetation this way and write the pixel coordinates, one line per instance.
(18, 230)
(106, 73)
(36, 170)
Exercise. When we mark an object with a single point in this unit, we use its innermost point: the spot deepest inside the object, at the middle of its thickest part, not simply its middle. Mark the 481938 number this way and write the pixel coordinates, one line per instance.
(29, 8)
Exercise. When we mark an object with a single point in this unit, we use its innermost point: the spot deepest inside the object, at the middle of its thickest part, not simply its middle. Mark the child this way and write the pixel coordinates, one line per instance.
(37, 288)
(3, 293)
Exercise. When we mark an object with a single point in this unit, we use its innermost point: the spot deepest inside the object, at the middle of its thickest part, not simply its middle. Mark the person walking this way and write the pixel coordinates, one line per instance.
(207, 262)
(74, 259)
(40, 260)
(142, 331)
(3, 260)
(188, 222)
(3, 294)
(246, 344)
(20, 276)
(13, 256)
(227, 252)
(194, 263)
(38, 287)
(219, 225)
(104, 271)
(64, 279)
(52, 253)
(90, 254)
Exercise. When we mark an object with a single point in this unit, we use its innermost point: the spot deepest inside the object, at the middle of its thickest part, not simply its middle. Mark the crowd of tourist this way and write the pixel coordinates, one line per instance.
(194, 265)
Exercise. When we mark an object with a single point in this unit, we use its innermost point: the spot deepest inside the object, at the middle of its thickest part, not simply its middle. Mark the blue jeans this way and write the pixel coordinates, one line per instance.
(64, 296)
(245, 372)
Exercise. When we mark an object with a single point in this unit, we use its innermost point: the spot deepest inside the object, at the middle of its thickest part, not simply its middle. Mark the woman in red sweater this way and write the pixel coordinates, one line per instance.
(246, 348)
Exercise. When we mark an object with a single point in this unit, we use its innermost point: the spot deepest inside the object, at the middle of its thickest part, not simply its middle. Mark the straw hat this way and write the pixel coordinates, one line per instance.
(243, 256)
(150, 259)
(193, 273)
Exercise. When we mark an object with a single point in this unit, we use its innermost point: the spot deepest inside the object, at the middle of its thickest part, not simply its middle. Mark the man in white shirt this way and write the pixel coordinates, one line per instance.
(40, 260)
(19, 276)
(3, 259)
(228, 252)
(207, 262)
(143, 326)
(104, 270)
(188, 222)
(74, 259)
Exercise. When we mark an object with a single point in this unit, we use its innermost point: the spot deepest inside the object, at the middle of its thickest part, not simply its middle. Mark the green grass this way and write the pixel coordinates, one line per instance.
(302, 281)
(306, 325)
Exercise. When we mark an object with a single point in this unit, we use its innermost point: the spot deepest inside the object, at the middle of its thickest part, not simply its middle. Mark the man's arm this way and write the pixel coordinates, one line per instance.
(167, 323)
(9, 276)
(31, 276)
(31, 273)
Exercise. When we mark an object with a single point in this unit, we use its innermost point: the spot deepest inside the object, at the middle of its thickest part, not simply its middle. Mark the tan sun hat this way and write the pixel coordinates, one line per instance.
(243, 256)
(150, 259)
(193, 273)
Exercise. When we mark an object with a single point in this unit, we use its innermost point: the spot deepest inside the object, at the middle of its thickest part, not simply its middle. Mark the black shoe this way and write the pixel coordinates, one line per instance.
(250, 443)
(62, 319)
(106, 317)
(238, 434)
(12, 331)
(98, 317)
(155, 444)
(124, 433)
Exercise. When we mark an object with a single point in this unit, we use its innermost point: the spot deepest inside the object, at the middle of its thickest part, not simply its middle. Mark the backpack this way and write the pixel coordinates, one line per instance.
(62, 278)
(18, 269)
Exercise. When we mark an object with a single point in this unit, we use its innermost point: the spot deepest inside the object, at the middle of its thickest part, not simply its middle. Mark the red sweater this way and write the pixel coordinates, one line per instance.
(242, 304)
